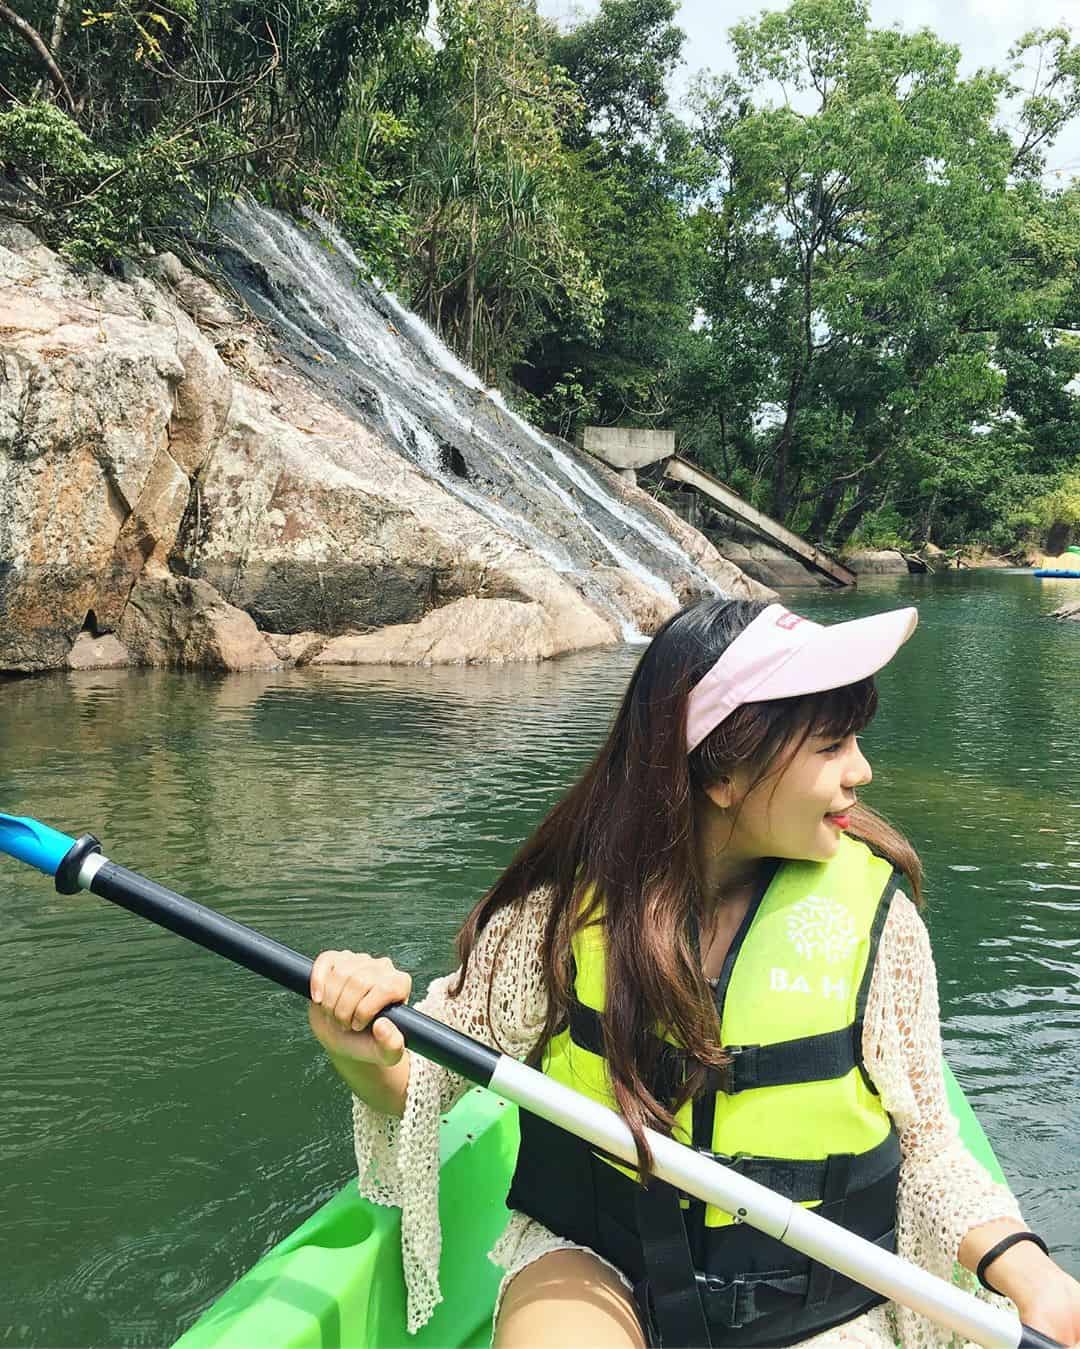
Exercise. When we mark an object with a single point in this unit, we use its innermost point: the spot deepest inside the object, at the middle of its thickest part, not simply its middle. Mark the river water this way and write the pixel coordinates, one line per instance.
(165, 1118)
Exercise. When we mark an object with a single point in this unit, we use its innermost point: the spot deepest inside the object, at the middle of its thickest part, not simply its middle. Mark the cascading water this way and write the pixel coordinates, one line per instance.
(365, 350)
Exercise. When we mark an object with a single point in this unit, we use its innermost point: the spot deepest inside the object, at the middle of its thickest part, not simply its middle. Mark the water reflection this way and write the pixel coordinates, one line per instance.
(163, 1118)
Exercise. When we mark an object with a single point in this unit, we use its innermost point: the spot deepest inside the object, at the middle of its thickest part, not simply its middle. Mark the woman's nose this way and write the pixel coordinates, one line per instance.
(859, 772)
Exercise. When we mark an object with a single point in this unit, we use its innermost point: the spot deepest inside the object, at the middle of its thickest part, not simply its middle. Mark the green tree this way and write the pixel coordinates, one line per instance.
(620, 62)
(874, 220)
(118, 124)
(632, 171)
(493, 246)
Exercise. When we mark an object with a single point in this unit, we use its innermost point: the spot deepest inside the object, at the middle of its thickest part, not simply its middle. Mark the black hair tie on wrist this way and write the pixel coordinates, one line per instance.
(1000, 1249)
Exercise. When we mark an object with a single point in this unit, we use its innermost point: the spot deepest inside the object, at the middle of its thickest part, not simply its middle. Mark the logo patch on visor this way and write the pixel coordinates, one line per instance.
(789, 621)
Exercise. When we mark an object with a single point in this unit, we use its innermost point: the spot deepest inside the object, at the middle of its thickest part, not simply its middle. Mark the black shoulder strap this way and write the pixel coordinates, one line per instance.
(768, 875)
(675, 1308)
(876, 929)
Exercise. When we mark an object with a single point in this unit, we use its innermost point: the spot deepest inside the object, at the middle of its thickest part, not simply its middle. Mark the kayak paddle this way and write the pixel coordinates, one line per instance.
(78, 864)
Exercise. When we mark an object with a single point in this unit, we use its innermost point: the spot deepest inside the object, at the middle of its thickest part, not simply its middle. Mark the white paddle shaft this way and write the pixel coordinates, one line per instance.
(791, 1223)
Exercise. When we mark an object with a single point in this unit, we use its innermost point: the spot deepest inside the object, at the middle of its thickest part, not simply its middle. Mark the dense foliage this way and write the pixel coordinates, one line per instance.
(118, 124)
(842, 275)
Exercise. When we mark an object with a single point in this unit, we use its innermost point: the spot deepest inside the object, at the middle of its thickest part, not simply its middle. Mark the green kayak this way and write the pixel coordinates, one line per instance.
(337, 1280)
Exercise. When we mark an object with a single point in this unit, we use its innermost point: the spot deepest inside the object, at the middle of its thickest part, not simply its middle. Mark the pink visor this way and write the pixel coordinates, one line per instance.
(780, 655)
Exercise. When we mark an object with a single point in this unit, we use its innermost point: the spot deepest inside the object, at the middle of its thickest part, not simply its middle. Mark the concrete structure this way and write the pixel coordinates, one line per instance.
(683, 471)
(628, 447)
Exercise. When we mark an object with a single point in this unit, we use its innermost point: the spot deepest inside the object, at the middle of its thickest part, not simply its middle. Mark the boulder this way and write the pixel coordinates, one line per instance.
(221, 509)
(937, 559)
(468, 631)
(878, 562)
(297, 648)
(325, 528)
(95, 395)
(196, 296)
(185, 624)
(757, 557)
(98, 653)
(768, 564)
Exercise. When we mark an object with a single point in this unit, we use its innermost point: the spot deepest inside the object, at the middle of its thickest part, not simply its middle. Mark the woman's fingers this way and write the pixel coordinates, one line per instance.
(383, 1044)
(320, 972)
(335, 1039)
(391, 987)
(389, 1041)
(353, 988)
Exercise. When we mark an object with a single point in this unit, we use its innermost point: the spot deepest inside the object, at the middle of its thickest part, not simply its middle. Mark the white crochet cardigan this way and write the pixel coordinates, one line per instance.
(943, 1191)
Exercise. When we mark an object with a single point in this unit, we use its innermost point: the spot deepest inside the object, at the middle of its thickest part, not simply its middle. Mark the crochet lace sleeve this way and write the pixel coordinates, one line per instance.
(944, 1192)
(398, 1159)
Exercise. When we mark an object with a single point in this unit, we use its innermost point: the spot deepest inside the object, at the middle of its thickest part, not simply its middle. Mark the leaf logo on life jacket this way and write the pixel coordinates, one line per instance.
(821, 929)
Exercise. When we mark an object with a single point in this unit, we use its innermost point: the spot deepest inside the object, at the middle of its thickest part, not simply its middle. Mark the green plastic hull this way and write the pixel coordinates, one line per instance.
(336, 1282)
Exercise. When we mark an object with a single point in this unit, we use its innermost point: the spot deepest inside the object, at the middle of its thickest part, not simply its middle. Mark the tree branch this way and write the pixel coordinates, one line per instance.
(35, 40)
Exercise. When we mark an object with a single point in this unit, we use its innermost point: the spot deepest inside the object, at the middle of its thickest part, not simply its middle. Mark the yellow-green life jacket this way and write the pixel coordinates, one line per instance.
(795, 1111)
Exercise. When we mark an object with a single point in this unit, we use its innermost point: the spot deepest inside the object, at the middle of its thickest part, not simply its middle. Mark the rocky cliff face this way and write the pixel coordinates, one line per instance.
(183, 485)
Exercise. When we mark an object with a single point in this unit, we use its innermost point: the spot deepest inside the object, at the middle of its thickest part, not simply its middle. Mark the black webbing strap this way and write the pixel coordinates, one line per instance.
(674, 1297)
(876, 927)
(810, 1181)
(837, 1186)
(812, 1058)
(734, 1303)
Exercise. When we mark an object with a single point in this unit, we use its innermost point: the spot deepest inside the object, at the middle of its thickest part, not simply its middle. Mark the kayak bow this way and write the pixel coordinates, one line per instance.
(80, 865)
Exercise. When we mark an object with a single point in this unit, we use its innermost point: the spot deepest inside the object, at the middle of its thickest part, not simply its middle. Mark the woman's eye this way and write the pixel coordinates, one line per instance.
(837, 746)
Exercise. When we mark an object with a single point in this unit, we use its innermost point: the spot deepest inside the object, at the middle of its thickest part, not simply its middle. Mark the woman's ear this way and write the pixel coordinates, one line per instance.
(721, 793)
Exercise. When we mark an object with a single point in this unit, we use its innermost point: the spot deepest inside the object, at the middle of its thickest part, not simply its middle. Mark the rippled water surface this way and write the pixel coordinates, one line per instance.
(164, 1118)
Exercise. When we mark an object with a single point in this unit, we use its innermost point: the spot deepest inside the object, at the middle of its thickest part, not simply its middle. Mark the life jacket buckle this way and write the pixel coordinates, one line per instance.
(727, 1302)
(734, 1161)
(724, 1078)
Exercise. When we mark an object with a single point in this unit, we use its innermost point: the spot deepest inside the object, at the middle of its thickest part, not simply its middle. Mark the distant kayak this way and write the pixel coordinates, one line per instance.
(337, 1280)
(1073, 575)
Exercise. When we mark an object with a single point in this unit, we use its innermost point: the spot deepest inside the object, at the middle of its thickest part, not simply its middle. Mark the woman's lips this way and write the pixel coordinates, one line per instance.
(841, 821)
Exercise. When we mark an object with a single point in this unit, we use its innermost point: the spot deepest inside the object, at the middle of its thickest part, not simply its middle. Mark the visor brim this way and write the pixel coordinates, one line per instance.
(840, 654)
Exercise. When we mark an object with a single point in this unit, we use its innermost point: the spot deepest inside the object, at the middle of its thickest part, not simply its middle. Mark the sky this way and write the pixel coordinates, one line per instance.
(982, 29)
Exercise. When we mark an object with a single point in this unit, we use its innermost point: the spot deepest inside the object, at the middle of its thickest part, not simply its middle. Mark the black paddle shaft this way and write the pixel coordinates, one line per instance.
(262, 955)
(1035, 1339)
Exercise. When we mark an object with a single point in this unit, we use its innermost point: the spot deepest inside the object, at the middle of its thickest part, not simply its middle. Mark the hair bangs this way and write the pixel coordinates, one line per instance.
(841, 712)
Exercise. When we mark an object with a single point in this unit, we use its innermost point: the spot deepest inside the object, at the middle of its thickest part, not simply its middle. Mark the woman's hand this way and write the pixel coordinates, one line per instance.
(1052, 1305)
(1047, 1298)
(348, 991)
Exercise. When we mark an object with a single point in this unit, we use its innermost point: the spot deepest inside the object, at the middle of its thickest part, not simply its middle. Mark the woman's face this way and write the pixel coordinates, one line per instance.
(800, 814)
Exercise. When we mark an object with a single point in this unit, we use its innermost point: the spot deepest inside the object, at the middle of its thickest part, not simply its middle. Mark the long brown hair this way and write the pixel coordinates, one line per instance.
(627, 832)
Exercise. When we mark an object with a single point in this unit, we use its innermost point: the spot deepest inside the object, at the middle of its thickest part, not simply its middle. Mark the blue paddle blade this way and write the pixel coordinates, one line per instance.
(33, 842)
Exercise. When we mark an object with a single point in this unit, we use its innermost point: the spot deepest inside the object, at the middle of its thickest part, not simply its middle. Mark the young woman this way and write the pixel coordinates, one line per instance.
(706, 933)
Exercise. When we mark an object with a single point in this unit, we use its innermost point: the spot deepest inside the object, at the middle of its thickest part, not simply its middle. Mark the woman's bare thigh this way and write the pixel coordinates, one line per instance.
(567, 1298)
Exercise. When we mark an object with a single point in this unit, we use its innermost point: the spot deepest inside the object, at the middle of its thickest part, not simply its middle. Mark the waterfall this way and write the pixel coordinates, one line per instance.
(366, 351)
